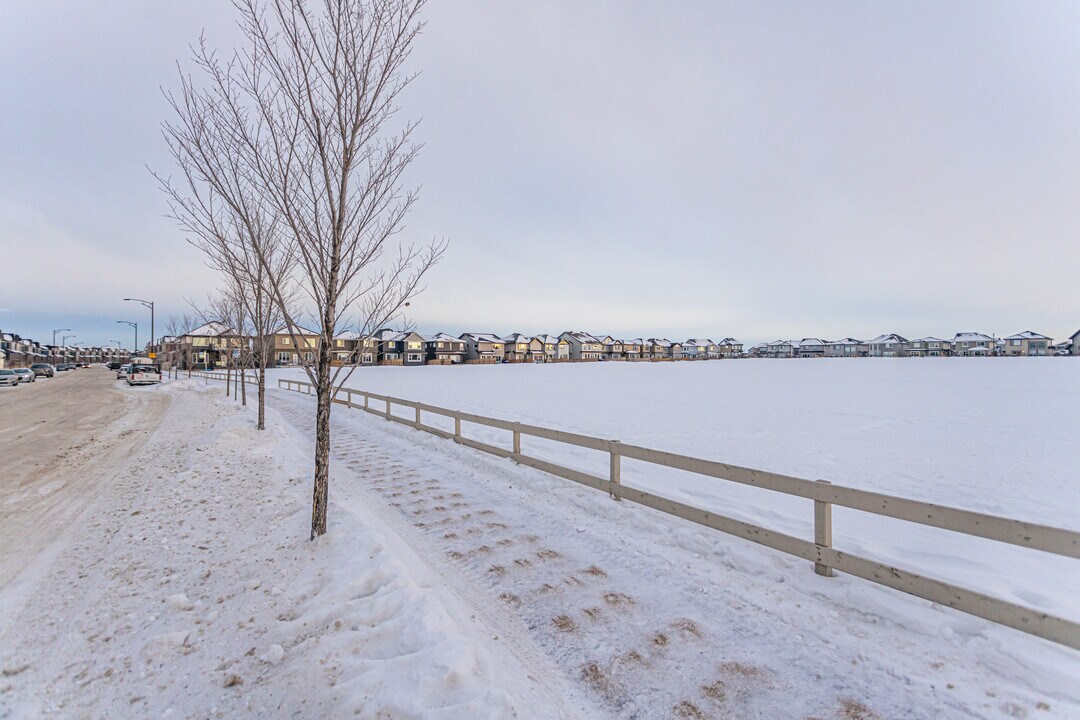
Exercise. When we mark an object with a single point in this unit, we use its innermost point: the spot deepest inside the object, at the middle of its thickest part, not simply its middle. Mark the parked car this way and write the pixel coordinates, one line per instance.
(122, 372)
(143, 373)
(43, 369)
(26, 375)
(63, 367)
(115, 365)
(8, 377)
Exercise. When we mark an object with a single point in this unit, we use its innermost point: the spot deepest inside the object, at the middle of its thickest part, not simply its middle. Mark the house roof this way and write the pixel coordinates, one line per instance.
(891, 338)
(442, 337)
(699, 341)
(483, 337)
(347, 335)
(778, 343)
(547, 339)
(846, 341)
(1027, 335)
(972, 337)
(930, 339)
(584, 337)
(729, 341)
(284, 330)
(516, 338)
(210, 329)
(812, 341)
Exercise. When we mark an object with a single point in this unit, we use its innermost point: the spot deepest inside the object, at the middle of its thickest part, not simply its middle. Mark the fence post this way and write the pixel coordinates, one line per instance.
(349, 393)
(366, 398)
(615, 475)
(388, 409)
(517, 438)
(823, 531)
(457, 426)
(418, 416)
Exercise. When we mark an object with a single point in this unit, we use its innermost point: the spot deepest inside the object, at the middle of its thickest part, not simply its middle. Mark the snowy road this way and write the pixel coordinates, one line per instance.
(60, 441)
(652, 617)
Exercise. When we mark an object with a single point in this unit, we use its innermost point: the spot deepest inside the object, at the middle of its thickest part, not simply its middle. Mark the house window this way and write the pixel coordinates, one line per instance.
(366, 357)
(414, 357)
(283, 358)
(1014, 343)
(286, 341)
(309, 357)
(341, 343)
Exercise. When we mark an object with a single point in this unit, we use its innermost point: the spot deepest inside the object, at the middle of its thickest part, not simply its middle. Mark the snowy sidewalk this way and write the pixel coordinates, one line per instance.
(654, 617)
(193, 591)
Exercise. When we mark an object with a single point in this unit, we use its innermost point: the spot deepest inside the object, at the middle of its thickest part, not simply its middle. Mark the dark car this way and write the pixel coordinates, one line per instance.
(115, 365)
(43, 369)
(63, 367)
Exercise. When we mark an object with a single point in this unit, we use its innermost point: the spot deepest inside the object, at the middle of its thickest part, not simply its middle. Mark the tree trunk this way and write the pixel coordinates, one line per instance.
(243, 385)
(324, 393)
(262, 397)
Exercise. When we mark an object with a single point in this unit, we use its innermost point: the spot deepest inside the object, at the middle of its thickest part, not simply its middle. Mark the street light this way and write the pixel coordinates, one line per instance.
(64, 343)
(149, 304)
(56, 331)
(136, 326)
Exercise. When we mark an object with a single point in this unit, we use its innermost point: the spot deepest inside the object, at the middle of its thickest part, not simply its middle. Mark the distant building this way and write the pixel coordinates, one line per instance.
(930, 347)
(971, 344)
(1028, 343)
(891, 345)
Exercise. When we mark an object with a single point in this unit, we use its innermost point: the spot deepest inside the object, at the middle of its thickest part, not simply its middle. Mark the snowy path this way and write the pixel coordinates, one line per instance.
(655, 618)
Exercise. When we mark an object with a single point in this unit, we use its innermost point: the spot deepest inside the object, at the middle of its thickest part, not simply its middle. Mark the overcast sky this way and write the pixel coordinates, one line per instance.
(761, 170)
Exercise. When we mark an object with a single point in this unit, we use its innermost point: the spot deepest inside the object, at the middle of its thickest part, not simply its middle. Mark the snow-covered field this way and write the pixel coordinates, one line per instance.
(993, 435)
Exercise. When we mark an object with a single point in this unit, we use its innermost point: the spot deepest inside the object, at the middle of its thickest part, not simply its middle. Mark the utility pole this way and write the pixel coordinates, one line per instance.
(56, 331)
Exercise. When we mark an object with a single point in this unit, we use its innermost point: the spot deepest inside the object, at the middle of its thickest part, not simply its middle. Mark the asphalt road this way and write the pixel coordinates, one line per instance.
(62, 440)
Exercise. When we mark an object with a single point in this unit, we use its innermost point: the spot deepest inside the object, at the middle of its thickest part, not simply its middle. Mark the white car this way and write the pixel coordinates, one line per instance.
(25, 375)
(8, 377)
(144, 375)
(122, 373)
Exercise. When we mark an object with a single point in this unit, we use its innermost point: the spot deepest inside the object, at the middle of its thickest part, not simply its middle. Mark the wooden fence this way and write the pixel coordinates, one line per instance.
(823, 494)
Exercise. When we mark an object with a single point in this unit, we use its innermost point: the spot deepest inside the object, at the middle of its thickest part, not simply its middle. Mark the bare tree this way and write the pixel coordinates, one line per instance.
(292, 139)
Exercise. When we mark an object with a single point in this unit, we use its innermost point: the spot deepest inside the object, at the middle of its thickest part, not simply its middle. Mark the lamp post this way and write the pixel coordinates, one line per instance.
(136, 326)
(63, 343)
(149, 304)
(56, 331)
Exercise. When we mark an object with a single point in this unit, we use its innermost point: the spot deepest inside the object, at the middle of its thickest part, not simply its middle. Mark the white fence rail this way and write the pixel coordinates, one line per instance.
(823, 494)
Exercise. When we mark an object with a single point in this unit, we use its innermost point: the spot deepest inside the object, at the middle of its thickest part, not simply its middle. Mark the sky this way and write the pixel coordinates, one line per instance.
(759, 170)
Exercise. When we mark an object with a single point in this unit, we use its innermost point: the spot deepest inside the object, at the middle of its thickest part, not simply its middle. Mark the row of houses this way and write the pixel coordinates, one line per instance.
(967, 344)
(209, 345)
(20, 352)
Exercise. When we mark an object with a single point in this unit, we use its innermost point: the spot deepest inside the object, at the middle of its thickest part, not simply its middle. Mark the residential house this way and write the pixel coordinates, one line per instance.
(730, 348)
(412, 348)
(758, 351)
(661, 349)
(891, 345)
(346, 344)
(1028, 343)
(613, 348)
(632, 349)
(516, 348)
(677, 351)
(366, 350)
(846, 347)
(780, 349)
(204, 347)
(930, 347)
(483, 348)
(583, 346)
(696, 349)
(1075, 340)
(443, 349)
(549, 344)
(809, 347)
(973, 343)
(302, 351)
